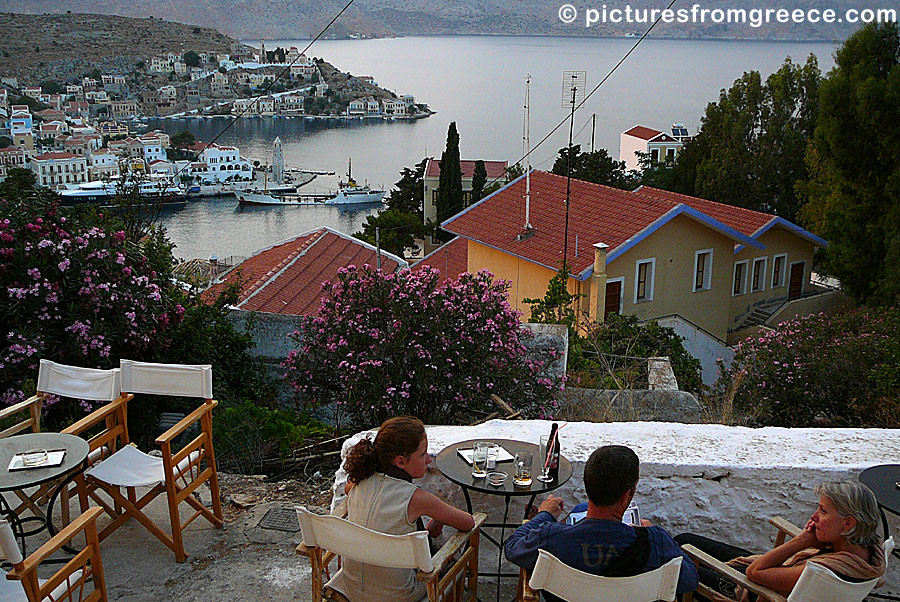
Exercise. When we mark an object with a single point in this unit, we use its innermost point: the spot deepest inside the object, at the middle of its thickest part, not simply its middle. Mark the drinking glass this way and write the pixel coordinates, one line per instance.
(524, 461)
(34, 457)
(544, 465)
(479, 459)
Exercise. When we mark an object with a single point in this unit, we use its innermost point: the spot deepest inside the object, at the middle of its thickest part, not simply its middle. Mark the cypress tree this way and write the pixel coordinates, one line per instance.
(479, 179)
(449, 201)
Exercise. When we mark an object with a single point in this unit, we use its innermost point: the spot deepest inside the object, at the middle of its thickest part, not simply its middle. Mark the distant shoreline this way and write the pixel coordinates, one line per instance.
(254, 42)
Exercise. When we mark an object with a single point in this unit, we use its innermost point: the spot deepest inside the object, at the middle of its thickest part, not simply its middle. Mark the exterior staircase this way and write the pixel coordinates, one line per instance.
(760, 313)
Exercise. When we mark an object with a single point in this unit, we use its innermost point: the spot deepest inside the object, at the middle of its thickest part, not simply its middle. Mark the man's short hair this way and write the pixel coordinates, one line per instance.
(609, 472)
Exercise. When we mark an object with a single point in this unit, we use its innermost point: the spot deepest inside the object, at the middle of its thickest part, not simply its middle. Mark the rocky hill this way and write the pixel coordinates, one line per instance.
(61, 46)
(289, 19)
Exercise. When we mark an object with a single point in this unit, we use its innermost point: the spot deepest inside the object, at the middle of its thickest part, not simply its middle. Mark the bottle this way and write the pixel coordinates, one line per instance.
(554, 452)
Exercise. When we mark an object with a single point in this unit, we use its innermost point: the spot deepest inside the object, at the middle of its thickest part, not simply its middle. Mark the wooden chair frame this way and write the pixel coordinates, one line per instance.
(32, 424)
(182, 478)
(785, 529)
(458, 584)
(87, 561)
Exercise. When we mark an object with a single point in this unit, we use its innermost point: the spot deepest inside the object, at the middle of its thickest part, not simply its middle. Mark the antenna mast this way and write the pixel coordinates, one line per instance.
(526, 141)
(572, 95)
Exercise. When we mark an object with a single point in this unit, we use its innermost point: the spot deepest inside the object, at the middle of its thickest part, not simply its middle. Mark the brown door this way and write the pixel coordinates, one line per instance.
(795, 289)
(613, 294)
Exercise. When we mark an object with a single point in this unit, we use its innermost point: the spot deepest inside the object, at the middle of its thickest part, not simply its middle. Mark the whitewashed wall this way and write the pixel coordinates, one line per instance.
(723, 482)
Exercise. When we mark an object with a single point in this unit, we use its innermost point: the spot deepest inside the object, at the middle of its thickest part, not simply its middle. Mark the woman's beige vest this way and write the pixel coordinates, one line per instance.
(380, 503)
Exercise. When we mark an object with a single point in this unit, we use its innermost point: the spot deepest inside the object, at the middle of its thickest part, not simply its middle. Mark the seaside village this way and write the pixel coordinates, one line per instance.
(90, 131)
(599, 376)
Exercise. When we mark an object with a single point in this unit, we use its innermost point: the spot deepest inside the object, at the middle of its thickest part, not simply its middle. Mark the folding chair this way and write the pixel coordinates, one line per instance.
(552, 575)
(175, 474)
(31, 422)
(65, 381)
(79, 580)
(816, 583)
(328, 537)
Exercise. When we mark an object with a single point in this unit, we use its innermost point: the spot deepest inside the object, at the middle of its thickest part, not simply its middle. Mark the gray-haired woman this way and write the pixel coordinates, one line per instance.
(840, 535)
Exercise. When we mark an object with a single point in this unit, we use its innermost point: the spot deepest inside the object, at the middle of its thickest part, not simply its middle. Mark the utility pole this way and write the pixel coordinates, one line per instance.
(573, 87)
(593, 130)
(378, 245)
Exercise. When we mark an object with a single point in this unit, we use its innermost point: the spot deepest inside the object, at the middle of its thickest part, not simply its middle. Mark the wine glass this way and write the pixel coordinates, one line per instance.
(544, 446)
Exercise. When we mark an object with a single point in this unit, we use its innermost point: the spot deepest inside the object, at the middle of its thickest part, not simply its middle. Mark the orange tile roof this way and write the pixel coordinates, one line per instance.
(745, 221)
(644, 133)
(287, 277)
(494, 169)
(451, 259)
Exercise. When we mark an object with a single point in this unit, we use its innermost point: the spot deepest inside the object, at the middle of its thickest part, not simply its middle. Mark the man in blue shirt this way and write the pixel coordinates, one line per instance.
(601, 544)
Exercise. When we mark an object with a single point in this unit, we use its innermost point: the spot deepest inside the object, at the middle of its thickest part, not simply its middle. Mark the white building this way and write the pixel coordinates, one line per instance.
(265, 106)
(216, 164)
(289, 105)
(372, 106)
(32, 92)
(55, 170)
(394, 107)
(661, 147)
(102, 165)
(12, 157)
(357, 106)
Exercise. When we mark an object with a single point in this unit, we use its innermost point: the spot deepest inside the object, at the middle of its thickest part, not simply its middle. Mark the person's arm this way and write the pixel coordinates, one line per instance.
(521, 547)
(768, 569)
(428, 504)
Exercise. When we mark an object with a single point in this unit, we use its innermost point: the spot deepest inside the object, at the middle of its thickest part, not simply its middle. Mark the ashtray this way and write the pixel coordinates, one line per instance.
(496, 478)
(34, 457)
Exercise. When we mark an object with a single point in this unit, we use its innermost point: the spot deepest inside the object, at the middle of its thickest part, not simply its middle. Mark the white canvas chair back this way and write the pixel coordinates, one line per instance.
(552, 575)
(77, 382)
(364, 545)
(177, 380)
(819, 584)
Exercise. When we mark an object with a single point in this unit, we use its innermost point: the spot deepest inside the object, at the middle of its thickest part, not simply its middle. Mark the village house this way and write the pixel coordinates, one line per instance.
(102, 165)
(96, 96)
(303, 69)
(114, 84)
(356, 106)
(32, 92)
(88, 84)
(74, 92)
(121, 109)
(50, 134)
(659, 146)
(112, 128)
(373, 107)
(55, 170)
(648, 253)
(12, 157)
(20, 127)
(216, 164)
(218, 85)
(54, 101)
(394, 107)
(265, 106)
(4, 99)
(289, 105)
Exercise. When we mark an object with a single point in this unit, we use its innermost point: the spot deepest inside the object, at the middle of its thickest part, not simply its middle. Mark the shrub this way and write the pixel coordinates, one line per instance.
(387, 344)
(820, 370)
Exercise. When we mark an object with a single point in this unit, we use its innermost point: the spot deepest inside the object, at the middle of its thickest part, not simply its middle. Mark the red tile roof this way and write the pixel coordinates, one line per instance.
(451, 259)
(287, 277)
(597, 214)
(642, 132)
(48, 156)
(494, 169)
(745, 221)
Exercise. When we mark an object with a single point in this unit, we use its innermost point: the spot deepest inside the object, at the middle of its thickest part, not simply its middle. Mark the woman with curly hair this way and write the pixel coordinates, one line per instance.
(381, 496)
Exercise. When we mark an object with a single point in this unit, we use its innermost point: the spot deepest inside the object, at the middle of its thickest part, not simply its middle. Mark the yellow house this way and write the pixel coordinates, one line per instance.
(648, 252)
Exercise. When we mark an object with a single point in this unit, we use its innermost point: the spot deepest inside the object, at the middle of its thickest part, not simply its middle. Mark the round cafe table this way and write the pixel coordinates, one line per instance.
(884, 481)
(458, 471)
(17, 481)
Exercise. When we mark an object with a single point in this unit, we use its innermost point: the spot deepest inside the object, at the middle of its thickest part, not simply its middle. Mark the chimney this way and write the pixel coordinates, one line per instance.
(213, 268)
(598, 307)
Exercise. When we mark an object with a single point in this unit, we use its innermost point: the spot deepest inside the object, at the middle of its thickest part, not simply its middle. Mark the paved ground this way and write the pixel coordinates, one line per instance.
(240, 562)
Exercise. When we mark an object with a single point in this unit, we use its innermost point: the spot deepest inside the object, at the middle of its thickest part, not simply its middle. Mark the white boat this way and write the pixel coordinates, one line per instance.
(154, 189)
(348, 193)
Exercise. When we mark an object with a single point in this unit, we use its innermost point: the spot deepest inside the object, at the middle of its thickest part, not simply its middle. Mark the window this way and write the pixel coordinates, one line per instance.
(740, 278)
(670, 155)
(778, 272)
(643, 280)
(654, 155)
(703, 270)
(758, 282)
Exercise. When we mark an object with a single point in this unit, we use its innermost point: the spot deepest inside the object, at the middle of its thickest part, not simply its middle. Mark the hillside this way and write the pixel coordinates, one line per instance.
(288, 19)
(58, 45)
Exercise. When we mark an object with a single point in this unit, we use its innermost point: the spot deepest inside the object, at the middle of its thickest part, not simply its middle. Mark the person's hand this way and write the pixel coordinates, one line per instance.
(807, 537)
(434, 527)
(553, 505)
(646, 523)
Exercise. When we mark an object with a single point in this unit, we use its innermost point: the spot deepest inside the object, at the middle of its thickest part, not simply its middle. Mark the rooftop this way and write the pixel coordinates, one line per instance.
(494, 169)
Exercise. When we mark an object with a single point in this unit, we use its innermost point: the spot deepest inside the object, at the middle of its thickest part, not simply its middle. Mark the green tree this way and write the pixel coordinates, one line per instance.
(52, 87)
(756, 137)
(449, 201)
(279, 55)
(597, 167)
(21, 184)
(183, 139)
(558, 304)
(479, 179)
(853, 192)
(191, 59)
(5, 141)
(398, 231)
(409, 191)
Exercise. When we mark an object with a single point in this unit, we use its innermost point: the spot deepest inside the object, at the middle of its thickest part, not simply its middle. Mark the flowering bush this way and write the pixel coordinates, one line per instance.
(72, 291)
(388, 344)
(820, 370)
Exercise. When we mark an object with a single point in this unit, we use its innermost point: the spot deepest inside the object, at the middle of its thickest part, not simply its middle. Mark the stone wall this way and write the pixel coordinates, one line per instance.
(719, 481)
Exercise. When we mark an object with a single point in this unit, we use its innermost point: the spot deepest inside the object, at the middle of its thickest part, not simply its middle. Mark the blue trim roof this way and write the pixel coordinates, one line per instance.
(790, 226)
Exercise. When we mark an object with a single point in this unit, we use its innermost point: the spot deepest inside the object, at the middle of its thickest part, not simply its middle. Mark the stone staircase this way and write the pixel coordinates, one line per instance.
(760, 313)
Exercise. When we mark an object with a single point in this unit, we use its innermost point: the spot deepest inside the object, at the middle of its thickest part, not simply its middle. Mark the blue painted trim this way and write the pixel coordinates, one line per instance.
(791, 227)
(680, 209)
(463, 212)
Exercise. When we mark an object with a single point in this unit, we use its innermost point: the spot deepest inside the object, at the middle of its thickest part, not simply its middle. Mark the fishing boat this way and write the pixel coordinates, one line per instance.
(155, 189)
(348, 193)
